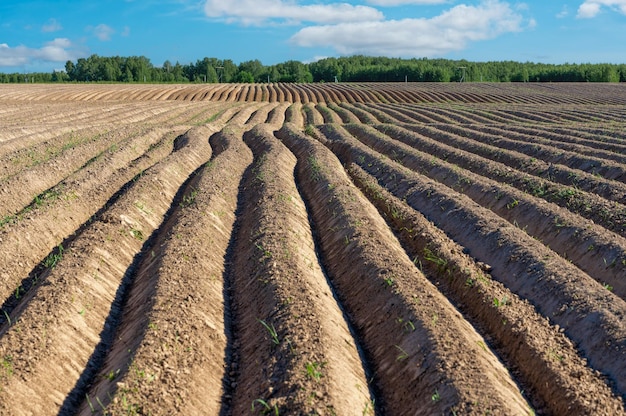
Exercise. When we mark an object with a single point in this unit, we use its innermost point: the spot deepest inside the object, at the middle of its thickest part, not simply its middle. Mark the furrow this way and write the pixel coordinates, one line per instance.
(44, 226)
(591, 315)
(52, 335)
(590, 247)
(293, 351)
(504, 318)
(404, 323)
(178, 290)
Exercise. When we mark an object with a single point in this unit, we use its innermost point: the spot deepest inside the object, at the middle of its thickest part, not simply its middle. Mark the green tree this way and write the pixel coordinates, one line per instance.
(244, 77)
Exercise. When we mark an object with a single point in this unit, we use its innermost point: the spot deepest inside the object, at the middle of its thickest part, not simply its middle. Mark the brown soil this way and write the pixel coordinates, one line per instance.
(236, 248)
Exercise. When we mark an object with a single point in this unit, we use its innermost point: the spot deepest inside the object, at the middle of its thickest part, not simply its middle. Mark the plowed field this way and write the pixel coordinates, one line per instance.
(348, 249)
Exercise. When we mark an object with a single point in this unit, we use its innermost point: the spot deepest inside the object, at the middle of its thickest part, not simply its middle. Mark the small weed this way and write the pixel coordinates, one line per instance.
(266, 407)
(6, 315)
(389, 281)
(136, 234)
(406, 324)
(367, 409)
(112, 375)
(499, 302)
(266, 253)
(559, 223)
(7, 220)
(309, 130)
(189, 199)
(435, 396)
(608, 287)
(19, 291)
(142, 207)
(316, 168)
(556, 356)
(403, 354)
(272, 331)
(429, 255)
(313, 370)
(7, 366)
(512, 204)
(93, 410)
(54, 258)
(100, 403)
(566, 193)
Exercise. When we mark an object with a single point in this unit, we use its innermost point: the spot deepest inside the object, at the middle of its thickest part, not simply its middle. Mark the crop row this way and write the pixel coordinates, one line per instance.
(384, 93)
(316, 256)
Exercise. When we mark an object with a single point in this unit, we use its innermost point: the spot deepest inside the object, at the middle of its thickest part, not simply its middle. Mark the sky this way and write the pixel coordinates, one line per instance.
(41, 35)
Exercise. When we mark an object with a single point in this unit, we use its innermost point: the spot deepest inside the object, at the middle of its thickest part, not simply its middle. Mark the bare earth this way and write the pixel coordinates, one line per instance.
(318, 249)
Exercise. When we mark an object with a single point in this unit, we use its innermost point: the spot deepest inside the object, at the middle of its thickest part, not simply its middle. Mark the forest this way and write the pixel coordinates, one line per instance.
(359, 68)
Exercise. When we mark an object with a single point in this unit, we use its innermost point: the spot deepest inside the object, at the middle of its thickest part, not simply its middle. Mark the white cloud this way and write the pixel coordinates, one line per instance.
(389, 3)
(52, 26)
(250, 12)
(591, 8)
(102, 31)
(58, 50)
(563, 13)
(450, 31)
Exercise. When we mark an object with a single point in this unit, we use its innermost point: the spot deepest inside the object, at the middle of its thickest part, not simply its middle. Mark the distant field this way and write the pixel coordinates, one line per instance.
(313, 249)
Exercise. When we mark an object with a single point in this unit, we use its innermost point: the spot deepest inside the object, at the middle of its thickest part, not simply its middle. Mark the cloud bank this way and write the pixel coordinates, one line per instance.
(350, 29)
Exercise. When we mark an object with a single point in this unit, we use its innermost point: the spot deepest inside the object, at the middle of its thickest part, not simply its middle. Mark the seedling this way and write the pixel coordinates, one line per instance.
(266, 253)
(18, 292)
(429, 255)
(514, 202)
(93, 410)
(266, 407)
(435, 396)
(51, 261)
(315, 167)
(100, 403)
(6, 315)
(406, 324)
(112, 375)
(189, 199)
(272, 331)
(367, 410)
(403, 354)
(313, 370)
(137, 234)
(7, 365)
(499, 302)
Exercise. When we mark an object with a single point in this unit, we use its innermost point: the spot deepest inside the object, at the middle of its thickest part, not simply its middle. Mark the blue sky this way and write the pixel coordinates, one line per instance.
(40, 35)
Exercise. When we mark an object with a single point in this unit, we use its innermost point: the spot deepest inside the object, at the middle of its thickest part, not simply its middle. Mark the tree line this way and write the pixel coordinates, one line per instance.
(359, 68)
